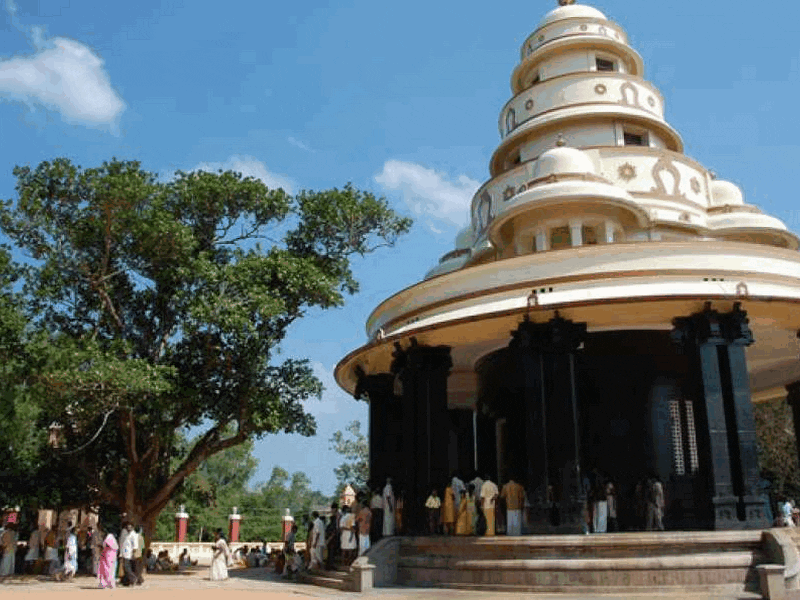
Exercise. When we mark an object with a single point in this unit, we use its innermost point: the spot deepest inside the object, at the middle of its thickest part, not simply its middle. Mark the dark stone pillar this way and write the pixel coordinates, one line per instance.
(744, 449)
(423, 372)
(527, 345)
(544, 354)
(701, 334)
(378, 389)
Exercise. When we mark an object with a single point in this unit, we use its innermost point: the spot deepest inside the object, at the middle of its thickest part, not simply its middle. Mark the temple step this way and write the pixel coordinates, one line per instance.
(700, 561)
(337, 580)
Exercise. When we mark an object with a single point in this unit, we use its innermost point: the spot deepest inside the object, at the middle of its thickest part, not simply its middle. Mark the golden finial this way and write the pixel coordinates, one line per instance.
(566, 2)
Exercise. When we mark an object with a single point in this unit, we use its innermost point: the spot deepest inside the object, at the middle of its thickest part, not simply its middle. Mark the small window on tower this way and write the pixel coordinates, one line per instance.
(635, 139)
(603, 64)
(560, 238)
(589, 235)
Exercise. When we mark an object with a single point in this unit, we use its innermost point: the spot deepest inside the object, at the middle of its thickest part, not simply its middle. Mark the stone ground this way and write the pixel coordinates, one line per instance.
(243, 583)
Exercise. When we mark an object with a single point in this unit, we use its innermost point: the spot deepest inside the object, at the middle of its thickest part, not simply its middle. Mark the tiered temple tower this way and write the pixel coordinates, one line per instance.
(611, 312)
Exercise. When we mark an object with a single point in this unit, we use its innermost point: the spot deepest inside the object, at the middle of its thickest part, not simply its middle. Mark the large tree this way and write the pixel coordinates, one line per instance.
(164, 304)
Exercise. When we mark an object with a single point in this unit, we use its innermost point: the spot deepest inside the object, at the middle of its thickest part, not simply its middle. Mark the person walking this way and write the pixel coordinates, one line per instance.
(106, 566)
(219, 562)
(128, 546)
(70, 566)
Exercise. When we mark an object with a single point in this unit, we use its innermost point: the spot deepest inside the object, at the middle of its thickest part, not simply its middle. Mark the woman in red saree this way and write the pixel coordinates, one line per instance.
(106, 574)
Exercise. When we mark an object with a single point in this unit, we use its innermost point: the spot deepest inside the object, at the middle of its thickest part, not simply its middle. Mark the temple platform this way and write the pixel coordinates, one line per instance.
(715, 563)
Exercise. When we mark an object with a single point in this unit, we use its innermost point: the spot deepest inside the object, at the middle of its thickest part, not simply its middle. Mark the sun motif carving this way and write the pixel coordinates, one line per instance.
(695, 183)
(600, 89)
(626, 172)
(529, 104)
(509, 192)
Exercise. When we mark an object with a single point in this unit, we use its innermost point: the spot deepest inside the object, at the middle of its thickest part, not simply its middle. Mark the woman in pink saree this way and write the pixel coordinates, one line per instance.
(106, 574)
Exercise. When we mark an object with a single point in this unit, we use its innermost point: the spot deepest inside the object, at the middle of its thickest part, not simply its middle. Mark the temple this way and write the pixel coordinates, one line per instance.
(612, 308)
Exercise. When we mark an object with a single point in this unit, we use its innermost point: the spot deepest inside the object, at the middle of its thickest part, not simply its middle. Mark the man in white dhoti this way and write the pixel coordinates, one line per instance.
(317, 541)
(388, 508)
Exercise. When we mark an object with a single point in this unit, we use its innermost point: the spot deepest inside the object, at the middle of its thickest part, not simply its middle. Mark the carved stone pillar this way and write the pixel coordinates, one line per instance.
(744, 446)
(701, 335)
(423, 372)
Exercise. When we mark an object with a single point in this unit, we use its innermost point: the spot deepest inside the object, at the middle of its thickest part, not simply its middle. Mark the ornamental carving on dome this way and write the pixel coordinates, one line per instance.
(695, 183)
(651, 101)
(600, 89)
(663, 164)
(626, 172)
(509, 192)
(624, 89)
(584, 27)
(529, 104)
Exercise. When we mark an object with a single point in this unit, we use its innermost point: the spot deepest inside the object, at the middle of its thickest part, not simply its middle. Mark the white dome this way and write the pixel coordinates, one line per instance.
(563, 161)
(464, 238)
(571, 11)
(725, 193)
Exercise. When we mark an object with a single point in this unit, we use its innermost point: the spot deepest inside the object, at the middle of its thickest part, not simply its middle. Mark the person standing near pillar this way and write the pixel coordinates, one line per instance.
(655, 505)
(388, 508)
(489, 493)
(376, 506)
(514, 496)
(448, 511)
(433, 507)
(611, 502)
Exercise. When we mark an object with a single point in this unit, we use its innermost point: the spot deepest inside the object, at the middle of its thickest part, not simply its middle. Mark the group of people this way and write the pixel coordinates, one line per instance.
(56, 552)
(471, 508)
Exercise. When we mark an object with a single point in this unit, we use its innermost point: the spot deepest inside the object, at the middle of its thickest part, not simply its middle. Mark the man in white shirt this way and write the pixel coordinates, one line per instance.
(128, 545)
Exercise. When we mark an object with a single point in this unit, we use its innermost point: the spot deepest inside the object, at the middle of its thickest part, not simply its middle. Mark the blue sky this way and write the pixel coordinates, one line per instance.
(398, 98)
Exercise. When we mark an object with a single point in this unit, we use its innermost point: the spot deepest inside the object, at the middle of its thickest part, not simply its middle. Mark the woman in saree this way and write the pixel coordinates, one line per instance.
(219, 564)
(106, 571)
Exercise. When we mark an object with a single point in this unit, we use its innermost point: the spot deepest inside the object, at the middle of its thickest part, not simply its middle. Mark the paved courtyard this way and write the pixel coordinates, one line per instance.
(246, 582)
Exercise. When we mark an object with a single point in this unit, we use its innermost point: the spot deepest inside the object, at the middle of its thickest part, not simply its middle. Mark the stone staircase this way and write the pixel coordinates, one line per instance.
(339, 579)
(677, 562)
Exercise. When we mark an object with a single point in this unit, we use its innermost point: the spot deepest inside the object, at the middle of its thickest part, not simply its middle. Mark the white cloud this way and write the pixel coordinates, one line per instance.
(298, 144)
(249, 167)
(333, 398)
(428, 192)
(62, 75)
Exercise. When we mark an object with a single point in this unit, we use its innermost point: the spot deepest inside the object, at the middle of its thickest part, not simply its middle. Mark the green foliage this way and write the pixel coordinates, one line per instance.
(778, 448)
(153, 307)
(355, 450)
